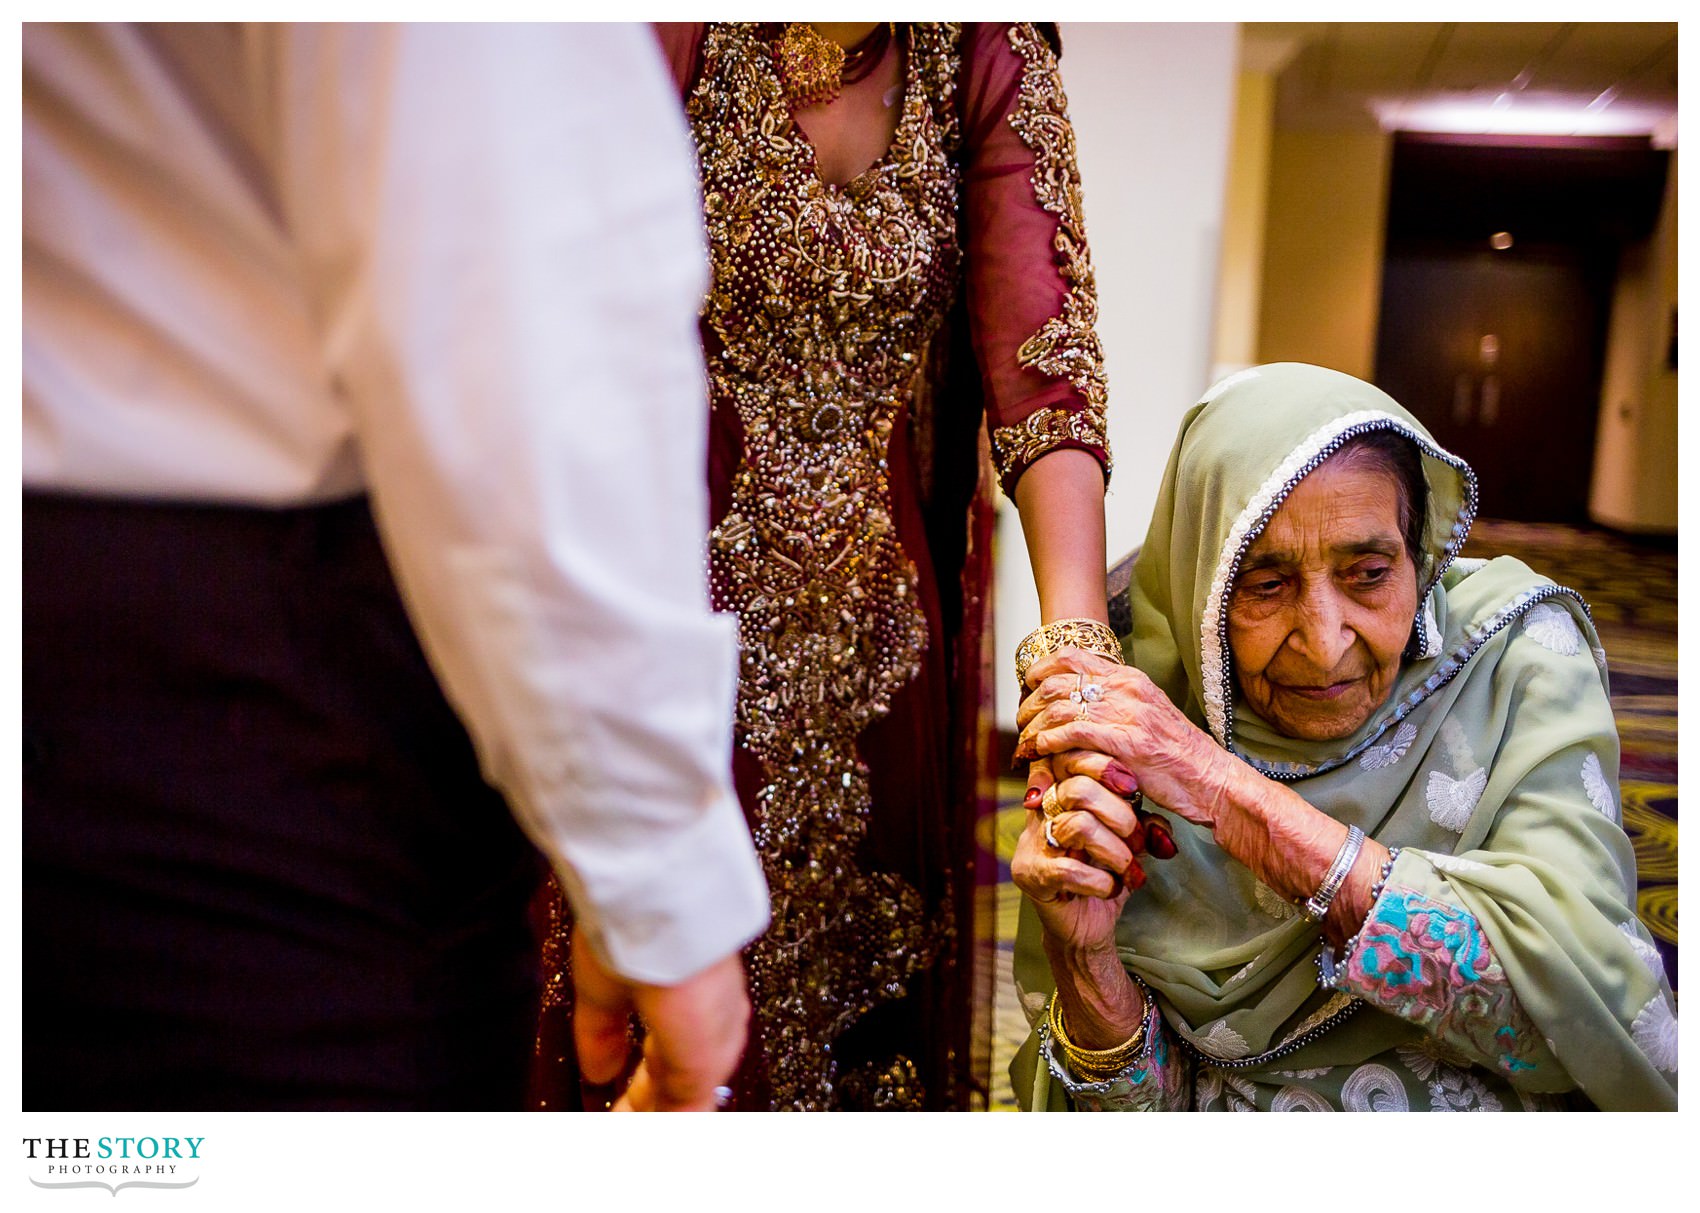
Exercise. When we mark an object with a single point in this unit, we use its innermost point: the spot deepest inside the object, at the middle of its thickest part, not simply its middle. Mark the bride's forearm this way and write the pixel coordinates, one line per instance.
(1061, 499)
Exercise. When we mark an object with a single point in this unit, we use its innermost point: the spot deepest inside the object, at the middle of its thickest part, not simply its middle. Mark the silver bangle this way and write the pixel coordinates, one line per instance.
(1344, 858)
(1330, 968)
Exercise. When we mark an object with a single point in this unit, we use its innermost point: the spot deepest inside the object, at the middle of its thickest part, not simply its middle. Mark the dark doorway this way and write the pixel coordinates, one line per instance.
(1501, 358)
(1500, 350)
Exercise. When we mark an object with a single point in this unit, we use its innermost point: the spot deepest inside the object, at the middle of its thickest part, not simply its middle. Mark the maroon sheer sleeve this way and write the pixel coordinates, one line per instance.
(1032, 301)
(681, 45)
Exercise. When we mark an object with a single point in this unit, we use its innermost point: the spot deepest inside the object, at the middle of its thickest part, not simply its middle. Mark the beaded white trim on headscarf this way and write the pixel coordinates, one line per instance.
(1430, 629)
(1274, 489)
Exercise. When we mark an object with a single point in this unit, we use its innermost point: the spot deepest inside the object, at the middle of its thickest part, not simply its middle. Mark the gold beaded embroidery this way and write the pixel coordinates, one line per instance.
(895, 1087)
(825, 301)
(1066, 345)
(1045, 429)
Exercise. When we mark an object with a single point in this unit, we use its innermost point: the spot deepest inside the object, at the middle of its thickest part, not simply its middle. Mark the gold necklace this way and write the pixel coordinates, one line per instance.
(812, 67)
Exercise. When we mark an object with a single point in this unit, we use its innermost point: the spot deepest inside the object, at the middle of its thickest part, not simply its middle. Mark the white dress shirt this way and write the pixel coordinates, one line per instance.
(457, 268)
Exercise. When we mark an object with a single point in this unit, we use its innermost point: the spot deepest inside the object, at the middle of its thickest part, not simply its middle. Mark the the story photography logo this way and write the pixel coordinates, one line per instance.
(114, 1162)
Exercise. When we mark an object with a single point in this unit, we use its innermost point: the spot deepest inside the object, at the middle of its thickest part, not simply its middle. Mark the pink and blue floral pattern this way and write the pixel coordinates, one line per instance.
(1428, 962)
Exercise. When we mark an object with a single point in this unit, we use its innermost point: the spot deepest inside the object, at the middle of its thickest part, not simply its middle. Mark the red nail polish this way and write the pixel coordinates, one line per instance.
(1120, 780)
(1135, 876)
(1032, 799)
(1159, 839)
(1136, 838)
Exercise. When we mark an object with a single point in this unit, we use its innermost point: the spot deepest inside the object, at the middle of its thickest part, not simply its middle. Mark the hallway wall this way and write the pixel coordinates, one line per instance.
(1635, 462)
(1323, 249)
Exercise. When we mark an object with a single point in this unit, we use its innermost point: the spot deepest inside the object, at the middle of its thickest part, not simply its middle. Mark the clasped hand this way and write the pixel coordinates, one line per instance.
(1099, 753)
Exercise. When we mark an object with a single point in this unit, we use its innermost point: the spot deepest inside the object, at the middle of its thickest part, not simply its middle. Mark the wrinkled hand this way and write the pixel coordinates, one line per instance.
(1172, 761)
(696, 1031)
(1079, 890)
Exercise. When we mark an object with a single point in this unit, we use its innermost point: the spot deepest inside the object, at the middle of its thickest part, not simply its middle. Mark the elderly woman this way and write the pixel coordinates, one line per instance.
(1398, 877)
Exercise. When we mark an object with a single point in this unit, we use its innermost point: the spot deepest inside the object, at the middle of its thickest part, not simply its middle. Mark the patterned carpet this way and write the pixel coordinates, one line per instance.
(1630, 585)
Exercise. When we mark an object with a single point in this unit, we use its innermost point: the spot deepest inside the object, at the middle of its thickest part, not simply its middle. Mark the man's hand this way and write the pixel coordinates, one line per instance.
(695, 1031)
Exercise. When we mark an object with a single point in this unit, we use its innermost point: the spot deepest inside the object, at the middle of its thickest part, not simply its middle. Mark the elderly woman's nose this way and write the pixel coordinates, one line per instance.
(1320, 630)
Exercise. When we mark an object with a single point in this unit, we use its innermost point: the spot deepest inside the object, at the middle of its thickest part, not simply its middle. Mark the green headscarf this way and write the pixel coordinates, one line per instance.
(1493, 763)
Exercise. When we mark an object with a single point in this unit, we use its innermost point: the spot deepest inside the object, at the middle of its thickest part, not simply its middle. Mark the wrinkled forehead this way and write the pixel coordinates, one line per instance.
(1261, 433)
(1345, 508)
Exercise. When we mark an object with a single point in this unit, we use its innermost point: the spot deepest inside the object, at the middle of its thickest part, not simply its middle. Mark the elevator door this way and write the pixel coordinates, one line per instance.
(1500, 355)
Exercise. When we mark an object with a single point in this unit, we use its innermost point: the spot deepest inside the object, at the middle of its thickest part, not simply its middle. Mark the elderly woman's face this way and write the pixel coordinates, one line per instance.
(1324, 603)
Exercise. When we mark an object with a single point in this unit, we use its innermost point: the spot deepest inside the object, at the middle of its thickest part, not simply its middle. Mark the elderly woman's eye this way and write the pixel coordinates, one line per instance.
(1261, 585)
(1371, 574)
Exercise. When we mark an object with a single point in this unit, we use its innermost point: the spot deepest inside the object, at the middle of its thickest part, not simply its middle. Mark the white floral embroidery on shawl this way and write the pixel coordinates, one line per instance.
(1552, 627)
(1374, 1088)
(1378, 756)
(1207, 1088)
(1451, 800)
(1648, 952)
(1299, 1099)
(1599, 791)
(1427, 1055)
(1654, 1030)
(1219, 1040)
(1272, 903)
(1241, 1093)
(1459, 1090)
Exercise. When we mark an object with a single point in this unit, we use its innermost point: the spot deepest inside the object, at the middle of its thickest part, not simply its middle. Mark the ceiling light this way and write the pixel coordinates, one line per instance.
(1524, 113)
(1500, 240)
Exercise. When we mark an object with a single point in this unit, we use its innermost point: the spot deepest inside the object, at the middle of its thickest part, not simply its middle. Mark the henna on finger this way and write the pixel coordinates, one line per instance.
(1159, 836)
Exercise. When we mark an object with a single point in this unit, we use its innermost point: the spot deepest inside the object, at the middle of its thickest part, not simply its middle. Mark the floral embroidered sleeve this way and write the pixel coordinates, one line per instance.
(1032, 299)
(1422, 956)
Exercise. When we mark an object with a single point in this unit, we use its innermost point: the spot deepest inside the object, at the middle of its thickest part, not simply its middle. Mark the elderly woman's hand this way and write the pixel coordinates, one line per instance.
(1097, 836)
(1129, 722)
(1078, 902)
(1080, 886)
(1265, 825)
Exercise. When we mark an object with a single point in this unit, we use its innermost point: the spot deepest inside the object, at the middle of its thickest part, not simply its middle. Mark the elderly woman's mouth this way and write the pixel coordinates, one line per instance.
(1332, 690)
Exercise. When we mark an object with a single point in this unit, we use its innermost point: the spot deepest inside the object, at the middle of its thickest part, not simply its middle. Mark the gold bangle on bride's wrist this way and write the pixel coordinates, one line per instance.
(1089, 634)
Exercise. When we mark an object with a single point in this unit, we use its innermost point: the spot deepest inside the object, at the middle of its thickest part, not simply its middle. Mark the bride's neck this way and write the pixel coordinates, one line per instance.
(845, 33)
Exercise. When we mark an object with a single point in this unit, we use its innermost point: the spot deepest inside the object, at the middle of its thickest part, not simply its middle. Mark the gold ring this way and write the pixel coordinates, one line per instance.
(1048, 802)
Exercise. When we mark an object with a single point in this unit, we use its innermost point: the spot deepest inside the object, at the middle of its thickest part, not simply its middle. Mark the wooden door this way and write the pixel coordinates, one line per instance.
(1500, 354)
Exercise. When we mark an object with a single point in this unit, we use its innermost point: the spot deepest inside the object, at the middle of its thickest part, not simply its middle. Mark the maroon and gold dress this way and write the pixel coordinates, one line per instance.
(861, 339)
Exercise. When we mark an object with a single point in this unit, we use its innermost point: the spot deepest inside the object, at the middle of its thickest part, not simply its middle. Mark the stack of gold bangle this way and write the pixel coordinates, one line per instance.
(1088, 634)
(1094, 1065)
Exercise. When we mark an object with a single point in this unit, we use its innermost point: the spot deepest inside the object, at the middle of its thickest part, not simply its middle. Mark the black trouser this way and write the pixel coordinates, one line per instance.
(260, 867)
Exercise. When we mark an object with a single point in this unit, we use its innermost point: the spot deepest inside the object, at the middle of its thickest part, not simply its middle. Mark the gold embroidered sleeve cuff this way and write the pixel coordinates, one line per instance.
(1015, 447)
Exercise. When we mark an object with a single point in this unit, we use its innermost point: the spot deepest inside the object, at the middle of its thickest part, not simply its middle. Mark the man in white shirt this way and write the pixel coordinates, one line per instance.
(271, 275)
